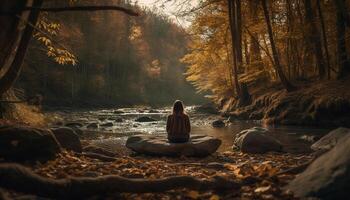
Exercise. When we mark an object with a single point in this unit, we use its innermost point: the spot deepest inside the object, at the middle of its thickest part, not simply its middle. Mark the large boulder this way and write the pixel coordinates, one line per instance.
(20, 143)
(328, 177)
(198, 145)
(145, 119)
(256, 140)
(328, 141)
(68, 138)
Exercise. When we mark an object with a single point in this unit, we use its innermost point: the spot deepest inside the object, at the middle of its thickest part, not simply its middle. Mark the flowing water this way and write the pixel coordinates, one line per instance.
(120, 123)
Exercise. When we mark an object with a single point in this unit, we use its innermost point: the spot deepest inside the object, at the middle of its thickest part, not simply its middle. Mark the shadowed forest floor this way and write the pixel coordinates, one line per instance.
(258, 173)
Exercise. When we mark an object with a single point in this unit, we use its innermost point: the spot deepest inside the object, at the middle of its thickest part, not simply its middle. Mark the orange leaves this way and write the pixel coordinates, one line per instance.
(193, 194)
(243, 167)
(47, 30)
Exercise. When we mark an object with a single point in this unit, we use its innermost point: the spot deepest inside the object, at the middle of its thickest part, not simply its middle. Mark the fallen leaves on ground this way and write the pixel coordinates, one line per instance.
(235, 165)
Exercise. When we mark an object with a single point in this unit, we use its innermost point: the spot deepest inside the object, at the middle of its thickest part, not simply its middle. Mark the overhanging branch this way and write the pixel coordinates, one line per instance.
(76, 8)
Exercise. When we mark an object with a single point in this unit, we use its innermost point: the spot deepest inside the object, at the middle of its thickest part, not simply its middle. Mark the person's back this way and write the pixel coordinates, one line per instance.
(178, 124)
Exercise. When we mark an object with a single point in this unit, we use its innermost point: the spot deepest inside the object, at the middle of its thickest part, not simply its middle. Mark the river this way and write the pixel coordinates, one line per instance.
(120, 123)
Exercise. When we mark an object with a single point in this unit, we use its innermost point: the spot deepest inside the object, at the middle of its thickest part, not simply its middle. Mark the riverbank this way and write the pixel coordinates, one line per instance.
(324, 104)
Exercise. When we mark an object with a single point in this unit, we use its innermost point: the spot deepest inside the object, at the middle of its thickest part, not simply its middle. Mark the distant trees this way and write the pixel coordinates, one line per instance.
(18, 20)
(121, 59)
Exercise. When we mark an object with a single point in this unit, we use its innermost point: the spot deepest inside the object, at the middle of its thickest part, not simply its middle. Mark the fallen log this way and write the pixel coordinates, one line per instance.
(20, 179)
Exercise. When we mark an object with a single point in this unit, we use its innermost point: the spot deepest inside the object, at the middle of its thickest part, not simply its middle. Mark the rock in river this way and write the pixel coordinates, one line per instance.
(198, 146)
(22, 143)
(145, 119)
(209, 108)
(68, 138)
(118, 112)
(328, 141)
(108, 124)
(255, 140)
(74, 124)
(328, 177)
(93, 125)
(218, 123)
(118, 119)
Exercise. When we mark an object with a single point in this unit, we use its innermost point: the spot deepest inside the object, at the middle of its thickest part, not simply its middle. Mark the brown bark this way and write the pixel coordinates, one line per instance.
(324, 37)
(11, 75)
(74, 8)
(232, 22)
(314, 37)
(238, 30)
(254, 48)
(342, 58)
(10, 33)
(20, 179)
(277, 65)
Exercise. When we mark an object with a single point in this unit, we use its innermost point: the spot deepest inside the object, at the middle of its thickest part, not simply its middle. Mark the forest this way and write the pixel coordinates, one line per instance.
(182, 99)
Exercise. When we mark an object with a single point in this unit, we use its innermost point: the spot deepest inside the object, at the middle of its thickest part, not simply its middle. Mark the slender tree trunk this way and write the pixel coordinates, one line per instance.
(314, 37)
(277, 65)
(343, 63)
(238, 30)
(232, 21)
(324, 36)
(254, 50)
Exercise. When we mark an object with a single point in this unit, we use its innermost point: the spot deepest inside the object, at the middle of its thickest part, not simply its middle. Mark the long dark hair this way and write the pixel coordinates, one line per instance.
(178, 107)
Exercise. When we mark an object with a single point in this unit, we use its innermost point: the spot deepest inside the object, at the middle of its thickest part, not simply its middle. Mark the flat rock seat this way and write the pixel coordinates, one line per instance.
(158, 145)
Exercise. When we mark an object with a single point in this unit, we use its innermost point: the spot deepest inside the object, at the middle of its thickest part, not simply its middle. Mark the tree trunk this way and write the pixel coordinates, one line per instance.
(232, 21)
(314, 37)
(19, 42)
(324, 36)
(277, 65)
(343, 63)
(238, 30)
(255, 54)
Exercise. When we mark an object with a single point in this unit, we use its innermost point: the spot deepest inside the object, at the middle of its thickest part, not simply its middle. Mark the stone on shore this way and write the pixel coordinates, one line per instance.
(158, 145)
(68, 138)
(328, 177)
(22, 143)
(328, 141)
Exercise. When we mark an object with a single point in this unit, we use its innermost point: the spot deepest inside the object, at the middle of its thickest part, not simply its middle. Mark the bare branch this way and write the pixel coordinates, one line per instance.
(76, 8)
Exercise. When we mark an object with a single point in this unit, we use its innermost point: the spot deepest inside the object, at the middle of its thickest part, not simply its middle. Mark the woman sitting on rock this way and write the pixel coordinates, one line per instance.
(178, 124)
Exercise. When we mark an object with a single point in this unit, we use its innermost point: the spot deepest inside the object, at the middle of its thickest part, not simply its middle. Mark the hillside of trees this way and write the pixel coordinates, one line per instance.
(281, 61)
(116, 59)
